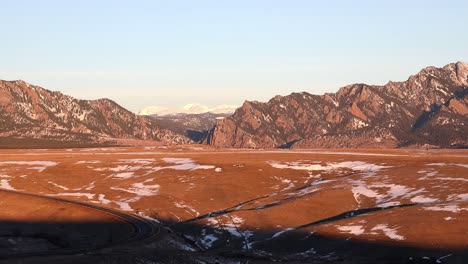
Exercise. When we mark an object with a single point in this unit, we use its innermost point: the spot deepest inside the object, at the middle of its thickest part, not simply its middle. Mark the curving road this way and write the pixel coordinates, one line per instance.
(143, 229)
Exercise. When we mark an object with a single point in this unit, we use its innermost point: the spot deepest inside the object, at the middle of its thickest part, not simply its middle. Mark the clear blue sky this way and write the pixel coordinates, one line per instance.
(172, 52)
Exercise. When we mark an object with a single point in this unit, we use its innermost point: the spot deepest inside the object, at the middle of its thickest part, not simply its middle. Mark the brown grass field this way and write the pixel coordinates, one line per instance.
(239, 206)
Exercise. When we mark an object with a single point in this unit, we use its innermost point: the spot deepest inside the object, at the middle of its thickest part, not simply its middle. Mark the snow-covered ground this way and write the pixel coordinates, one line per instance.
(40, 166)
(251, 199)
(360, 166)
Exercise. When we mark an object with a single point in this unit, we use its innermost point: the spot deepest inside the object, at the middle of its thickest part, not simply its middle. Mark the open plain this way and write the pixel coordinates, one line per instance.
(144, 204)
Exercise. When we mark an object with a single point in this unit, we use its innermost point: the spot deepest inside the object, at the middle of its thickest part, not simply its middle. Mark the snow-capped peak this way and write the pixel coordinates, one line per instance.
(195, 109)
(188, 109)
(153, 110)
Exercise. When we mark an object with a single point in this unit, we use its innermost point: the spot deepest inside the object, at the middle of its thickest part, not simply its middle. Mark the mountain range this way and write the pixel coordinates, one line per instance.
(31, 116)
(430, 109)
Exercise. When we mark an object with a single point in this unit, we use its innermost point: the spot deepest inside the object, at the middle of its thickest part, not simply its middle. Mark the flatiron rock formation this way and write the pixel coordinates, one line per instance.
(429, 109)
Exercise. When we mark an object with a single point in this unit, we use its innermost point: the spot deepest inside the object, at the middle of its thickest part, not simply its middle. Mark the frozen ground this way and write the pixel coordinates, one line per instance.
(251, 201)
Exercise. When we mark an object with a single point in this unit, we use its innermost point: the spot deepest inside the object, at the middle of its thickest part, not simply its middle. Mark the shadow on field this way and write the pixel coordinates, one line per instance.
(298, 246)
(20, 238)
(26, 239)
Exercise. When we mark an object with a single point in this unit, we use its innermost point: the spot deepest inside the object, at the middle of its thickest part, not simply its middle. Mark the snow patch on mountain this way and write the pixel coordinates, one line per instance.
(188, 109)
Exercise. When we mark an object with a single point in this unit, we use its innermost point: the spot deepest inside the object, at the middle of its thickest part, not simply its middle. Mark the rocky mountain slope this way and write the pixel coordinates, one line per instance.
(32, 115)
(430, 108)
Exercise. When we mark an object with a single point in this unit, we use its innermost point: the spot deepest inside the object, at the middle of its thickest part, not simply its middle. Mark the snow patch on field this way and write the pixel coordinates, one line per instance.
(88, 162)
(360, 166)
(384, 194)
(285, 181)
(125, 171)
(187, 207)
(352, 229)
(461, 197)
(128, 168)
(437, 164)
(124, 206)
(90, 196)
(277, 234)
(233, 227)
(102, 199)
(40, 166)
(422, 199)
(185, 164)
(428, 173)
(454, 208)
(137, 161)
(149, 218)
(89, 186)
(448, 164)
(58, 186)
(311, 188)
(364, 191)
(140, 189)
(452, 179)
(124, 175)
(389, 232)
(5, 184)
(122, 168)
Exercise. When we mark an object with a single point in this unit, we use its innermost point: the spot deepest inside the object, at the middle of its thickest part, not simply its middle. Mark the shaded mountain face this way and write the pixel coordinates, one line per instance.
(430, 108)
(33, 115)
(194, 126)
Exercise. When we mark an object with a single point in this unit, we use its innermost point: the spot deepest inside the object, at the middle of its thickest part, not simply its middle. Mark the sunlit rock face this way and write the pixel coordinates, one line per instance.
(430, 108)
(31, 112)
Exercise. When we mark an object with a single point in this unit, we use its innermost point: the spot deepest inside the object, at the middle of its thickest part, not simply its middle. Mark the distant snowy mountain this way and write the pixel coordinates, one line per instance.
(191, 120)
(188, 109)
